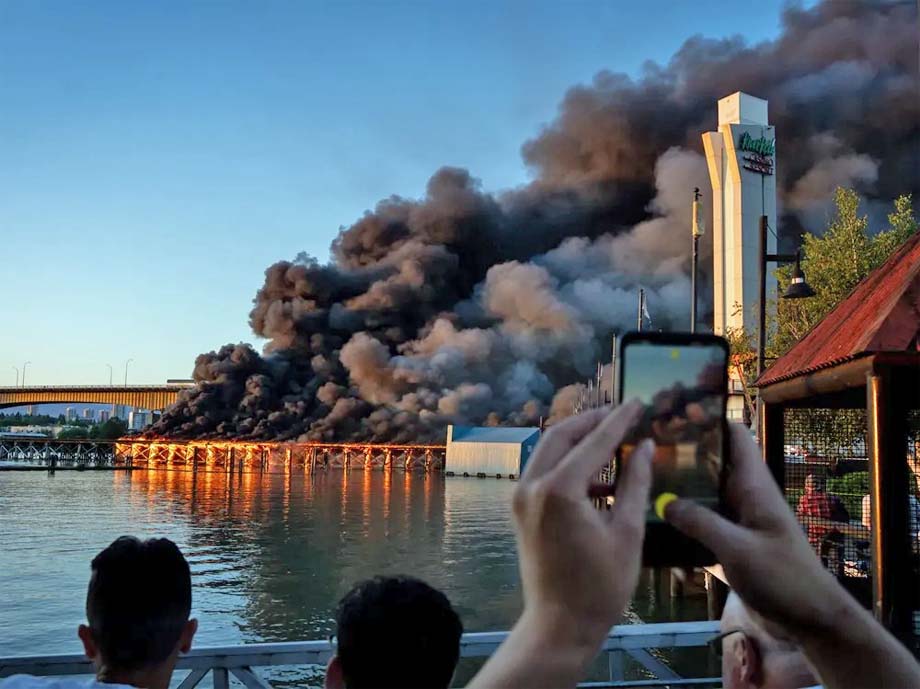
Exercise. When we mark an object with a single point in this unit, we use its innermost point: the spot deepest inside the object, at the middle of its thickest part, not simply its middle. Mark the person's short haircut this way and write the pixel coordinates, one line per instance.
(138, 601)
(397, 632)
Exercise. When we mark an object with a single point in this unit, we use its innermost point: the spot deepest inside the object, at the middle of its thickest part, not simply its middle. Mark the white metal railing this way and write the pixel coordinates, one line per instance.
(629, 640)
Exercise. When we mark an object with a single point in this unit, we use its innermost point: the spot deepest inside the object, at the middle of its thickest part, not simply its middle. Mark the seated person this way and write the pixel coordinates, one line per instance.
(757, 655)
(817, 502)
(137, 608)
(394, 632)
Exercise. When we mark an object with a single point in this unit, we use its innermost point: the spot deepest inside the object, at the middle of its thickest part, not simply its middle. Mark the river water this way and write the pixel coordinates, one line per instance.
(270, 553)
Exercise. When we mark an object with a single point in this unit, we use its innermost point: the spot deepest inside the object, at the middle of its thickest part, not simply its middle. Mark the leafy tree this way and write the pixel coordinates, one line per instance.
(851, 489)
(901, 225)
(73, 434)
(834, 263)
(20, 419)
(111, 429)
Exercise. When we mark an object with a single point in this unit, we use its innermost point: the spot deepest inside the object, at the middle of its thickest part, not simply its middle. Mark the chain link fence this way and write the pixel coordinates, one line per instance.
(827, 485)
(913, 512)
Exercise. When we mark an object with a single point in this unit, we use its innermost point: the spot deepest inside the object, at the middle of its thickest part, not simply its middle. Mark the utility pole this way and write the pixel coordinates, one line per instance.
(697, 228)
(110, 374)
(613, 372)
(600, 385)
(126, 371)
(24, 372)
(641, 309)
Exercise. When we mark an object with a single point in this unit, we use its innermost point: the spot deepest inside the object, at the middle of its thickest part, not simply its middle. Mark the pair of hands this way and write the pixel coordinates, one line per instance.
(580, 565)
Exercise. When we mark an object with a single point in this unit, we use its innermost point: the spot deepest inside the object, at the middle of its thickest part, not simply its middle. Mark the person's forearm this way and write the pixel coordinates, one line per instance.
(853, 651)
(539, 653)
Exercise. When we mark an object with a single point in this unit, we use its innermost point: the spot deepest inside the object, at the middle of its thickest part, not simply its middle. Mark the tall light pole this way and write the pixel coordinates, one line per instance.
(126, 371)
(16, 368)
(24, 373)
(798, 289)
(110, 374)
(696, 232)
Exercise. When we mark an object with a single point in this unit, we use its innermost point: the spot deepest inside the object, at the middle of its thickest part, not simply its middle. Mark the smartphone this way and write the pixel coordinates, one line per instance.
(682, 381)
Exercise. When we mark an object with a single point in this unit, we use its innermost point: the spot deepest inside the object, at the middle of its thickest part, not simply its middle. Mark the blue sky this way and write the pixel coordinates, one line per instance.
(158, 156)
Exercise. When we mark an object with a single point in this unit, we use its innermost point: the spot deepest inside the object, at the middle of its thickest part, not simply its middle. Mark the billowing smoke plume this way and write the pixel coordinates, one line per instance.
(471, 307)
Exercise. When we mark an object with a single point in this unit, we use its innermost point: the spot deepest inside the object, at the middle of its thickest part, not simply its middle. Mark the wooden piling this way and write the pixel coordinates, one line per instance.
(716, 595)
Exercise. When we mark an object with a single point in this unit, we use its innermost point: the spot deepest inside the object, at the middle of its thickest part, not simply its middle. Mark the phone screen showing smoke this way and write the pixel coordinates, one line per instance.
(476, 308)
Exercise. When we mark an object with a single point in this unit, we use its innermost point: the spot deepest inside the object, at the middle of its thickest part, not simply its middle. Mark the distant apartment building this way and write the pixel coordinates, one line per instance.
(89, 414)
(70, 414)
(138, 419)
(104, 415)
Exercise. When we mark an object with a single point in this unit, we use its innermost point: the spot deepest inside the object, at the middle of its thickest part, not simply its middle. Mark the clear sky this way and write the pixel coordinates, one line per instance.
(158, 156)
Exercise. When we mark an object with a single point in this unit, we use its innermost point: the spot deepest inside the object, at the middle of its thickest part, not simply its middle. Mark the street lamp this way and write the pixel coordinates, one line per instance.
(16, 368)
(110, 374)
(24, 373)
(126, 371)
(798, 289)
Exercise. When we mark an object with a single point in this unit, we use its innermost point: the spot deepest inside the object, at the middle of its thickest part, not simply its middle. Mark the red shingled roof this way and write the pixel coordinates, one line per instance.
(882, 314)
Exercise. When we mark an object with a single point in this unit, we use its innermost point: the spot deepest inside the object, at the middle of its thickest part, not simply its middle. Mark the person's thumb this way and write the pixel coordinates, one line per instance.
(700, 523)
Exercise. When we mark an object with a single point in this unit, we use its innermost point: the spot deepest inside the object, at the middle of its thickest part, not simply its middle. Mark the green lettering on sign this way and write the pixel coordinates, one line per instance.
(763, 146)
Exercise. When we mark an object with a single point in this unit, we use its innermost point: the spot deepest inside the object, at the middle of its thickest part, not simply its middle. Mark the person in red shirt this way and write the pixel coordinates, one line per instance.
(817, 502)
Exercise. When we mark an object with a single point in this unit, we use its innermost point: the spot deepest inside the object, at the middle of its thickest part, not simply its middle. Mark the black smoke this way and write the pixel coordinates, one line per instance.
(471, 307)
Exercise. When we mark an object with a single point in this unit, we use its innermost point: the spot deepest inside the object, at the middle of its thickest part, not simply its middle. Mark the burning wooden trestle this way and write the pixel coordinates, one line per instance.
(227, 455)
(259, 455)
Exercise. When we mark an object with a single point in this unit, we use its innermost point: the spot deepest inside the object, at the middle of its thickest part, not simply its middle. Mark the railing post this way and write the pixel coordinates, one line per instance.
(886, 405)
(615, 666)
(221, 678)
(772, 440)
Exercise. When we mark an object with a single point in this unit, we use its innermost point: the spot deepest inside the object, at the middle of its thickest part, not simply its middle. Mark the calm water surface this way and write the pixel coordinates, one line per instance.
(270, 553)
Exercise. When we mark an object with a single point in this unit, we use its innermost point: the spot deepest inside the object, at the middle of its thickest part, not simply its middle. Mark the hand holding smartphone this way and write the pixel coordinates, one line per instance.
(682, 381)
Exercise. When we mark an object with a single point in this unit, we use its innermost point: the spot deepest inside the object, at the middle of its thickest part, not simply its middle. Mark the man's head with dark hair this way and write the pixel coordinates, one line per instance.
(138, 605)
(394, 632)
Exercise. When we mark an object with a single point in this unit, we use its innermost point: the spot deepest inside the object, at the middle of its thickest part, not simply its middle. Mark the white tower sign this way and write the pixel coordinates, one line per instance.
(741, 157)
